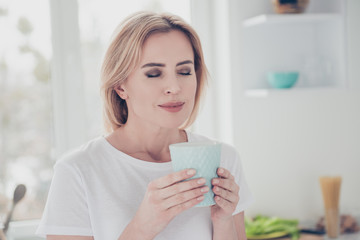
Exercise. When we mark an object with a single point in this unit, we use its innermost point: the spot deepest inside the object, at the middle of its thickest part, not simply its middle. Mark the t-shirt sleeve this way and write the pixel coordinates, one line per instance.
(232, 162)
(66, 211)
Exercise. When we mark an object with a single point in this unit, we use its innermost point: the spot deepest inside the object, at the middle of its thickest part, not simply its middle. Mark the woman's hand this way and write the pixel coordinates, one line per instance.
(164, 199)
(226, 196)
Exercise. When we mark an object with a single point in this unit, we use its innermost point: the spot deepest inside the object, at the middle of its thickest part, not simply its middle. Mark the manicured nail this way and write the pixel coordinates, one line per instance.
(191, 172)
(200, 198)
(205, 189)
(201, 181)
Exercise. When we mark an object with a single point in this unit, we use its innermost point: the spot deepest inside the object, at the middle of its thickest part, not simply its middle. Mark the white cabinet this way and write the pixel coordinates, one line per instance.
(311, 43)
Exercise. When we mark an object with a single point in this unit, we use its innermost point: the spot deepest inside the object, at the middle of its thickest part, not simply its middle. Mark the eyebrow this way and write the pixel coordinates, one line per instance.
(185, 62)
(163, 65)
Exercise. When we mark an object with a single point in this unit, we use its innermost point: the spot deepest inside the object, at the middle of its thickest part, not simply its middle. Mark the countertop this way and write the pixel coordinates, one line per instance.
(347, 236)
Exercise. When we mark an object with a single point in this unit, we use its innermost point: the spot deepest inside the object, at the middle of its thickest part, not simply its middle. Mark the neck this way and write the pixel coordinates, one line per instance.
(147, 143)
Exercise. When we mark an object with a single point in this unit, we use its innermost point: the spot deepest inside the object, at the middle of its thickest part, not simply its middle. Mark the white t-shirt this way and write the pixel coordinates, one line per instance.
(97, 189)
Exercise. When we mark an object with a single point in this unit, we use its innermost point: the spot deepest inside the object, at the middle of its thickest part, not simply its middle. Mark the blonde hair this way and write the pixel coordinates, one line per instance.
(123, 55)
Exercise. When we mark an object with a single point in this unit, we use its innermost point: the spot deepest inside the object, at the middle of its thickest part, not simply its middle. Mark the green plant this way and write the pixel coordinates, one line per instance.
(263, 225)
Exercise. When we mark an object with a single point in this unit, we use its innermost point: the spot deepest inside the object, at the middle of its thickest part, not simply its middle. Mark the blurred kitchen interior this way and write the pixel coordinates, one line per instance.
(287, 138)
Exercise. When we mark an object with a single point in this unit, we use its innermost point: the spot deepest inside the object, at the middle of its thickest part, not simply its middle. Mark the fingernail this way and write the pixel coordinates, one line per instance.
(200, 198)
(216, 181)
(191, 172)
(201, 181)
(205, 189)
(221, 170)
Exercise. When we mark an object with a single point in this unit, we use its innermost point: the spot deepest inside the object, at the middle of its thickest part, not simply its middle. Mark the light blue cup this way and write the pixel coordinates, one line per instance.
(204, 157)
(282, 79)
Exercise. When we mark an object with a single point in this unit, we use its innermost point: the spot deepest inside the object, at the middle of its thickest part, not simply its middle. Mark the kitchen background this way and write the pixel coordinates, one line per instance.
(287, 138)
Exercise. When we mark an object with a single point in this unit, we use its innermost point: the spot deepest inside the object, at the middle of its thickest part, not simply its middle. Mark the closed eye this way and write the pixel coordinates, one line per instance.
(153, 73)
(185, 72)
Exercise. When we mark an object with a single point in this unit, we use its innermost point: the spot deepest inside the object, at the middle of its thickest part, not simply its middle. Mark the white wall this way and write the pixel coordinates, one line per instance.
(209, 20)
(288, 140)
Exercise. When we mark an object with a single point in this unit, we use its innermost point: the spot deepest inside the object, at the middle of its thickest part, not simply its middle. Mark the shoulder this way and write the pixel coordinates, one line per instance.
(82, 155)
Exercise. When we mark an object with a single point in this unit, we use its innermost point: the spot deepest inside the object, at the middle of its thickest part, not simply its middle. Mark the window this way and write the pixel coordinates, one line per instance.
(25, 105)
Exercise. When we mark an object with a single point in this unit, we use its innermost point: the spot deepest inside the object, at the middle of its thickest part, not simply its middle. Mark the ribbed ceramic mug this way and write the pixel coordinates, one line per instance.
(204, 157)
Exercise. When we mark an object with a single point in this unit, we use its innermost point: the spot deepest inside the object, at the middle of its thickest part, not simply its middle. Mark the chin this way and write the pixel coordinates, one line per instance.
(172, 123)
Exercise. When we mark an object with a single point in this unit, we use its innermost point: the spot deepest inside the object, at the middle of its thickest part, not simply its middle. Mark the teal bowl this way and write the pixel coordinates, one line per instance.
(282, 79)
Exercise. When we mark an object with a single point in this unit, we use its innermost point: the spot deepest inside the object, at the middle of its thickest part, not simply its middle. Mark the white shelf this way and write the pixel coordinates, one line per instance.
(289, 18)
(265, 92)
(311, 44)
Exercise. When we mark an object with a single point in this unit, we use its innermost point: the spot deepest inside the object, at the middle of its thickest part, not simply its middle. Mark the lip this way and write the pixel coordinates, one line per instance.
(172, 106)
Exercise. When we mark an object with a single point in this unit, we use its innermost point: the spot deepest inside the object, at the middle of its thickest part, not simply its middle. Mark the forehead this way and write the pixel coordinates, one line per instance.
(167, 46)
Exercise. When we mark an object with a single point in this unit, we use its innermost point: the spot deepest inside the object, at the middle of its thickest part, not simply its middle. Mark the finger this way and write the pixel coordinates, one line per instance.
(172, 178)
(227, 195)
(181, 187)
(183, 197)
(224, 173)
(225, 204)
(175, 210)
(227, 184)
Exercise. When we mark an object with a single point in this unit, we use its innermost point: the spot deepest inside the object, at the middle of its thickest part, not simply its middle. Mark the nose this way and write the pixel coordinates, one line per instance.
(172, 86)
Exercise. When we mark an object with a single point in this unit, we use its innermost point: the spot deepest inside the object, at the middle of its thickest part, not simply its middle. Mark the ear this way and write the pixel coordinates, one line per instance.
(121, 91)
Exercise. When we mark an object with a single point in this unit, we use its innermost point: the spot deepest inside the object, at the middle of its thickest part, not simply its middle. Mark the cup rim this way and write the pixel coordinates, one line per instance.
(195, 144)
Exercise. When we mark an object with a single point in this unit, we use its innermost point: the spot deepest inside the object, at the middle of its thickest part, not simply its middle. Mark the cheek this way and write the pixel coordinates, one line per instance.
(194, 88)
(138, 98)
(191, 87)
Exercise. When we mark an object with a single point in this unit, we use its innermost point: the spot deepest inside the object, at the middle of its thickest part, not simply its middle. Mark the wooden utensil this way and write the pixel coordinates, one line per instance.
(330, 187)
(19, 194)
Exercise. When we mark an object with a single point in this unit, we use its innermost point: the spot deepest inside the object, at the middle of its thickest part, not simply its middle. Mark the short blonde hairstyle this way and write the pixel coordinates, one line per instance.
(123, 55)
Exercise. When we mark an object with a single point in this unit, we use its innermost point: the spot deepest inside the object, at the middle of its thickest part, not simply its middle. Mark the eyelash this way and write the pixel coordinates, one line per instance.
(185, 73)
(159, 74)
(153, 75)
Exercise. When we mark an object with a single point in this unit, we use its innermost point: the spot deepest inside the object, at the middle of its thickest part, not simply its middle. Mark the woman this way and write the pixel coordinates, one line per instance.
(122, 186)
